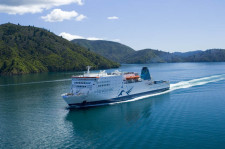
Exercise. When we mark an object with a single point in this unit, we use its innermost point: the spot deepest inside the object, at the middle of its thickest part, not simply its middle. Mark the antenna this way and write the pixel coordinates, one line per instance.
(88, 69)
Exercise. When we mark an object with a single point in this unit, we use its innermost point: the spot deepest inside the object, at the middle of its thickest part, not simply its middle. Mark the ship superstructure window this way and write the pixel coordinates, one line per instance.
(82, 82)
(101, 82)
(81, 86)
(102, 85)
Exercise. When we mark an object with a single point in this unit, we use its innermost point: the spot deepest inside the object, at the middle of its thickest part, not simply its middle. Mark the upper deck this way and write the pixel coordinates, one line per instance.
(99, 75)
(126, 77)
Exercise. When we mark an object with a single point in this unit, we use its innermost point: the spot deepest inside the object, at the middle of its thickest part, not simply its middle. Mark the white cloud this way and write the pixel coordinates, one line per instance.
(71, 37)
(116, 40)
(20, 9)
(32, 6)
(113, 18)
(80, 17)
(58, 15)
(94, 38)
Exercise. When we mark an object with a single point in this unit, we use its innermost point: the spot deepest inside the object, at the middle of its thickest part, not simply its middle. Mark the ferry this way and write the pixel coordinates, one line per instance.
(94, 89)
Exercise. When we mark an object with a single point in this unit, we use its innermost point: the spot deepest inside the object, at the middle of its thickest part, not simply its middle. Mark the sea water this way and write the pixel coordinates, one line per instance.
(189, 115)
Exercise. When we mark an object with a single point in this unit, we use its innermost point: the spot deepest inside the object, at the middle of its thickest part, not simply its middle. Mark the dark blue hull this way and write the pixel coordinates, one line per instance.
(118, 99)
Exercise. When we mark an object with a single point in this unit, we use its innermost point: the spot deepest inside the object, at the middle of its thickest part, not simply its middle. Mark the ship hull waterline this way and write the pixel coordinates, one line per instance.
(113, 100)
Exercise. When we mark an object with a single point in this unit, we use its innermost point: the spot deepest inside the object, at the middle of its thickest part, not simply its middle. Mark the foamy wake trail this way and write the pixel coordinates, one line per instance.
(36, 82)
(182, 84)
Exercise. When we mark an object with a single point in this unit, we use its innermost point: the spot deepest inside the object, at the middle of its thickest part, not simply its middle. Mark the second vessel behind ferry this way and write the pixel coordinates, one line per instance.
(93, 89)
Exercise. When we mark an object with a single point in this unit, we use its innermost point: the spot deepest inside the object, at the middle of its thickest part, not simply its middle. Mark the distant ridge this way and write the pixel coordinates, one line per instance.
(151, 56)
(28, 49)
(112, 50)
(124, 54)
(156, 56)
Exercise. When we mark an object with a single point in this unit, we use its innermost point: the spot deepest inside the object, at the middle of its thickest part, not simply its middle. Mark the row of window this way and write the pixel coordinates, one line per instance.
(102, 85)
(103, 82)
(81, 86)
(84, 79)
(82, 82)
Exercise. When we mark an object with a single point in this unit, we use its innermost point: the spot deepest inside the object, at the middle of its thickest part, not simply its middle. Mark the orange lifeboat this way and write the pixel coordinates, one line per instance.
(134, 77)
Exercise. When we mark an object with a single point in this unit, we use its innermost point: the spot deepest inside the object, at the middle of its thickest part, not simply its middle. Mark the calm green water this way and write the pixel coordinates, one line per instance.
(191, 115)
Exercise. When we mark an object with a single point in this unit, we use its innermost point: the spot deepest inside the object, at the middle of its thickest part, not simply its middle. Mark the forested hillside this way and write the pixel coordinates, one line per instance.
(28, 49)
(151, 56)
(109, 49)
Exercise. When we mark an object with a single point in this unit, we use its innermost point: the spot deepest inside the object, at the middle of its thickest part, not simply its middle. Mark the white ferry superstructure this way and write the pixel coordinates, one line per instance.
(93, 89)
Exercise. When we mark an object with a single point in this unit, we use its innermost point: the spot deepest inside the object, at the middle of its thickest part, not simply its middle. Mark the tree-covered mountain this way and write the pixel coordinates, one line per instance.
(186, 54)
(156, 56)
(123, 54)
(211, 55)
(28, 49)
(151, 56)
(109, 49)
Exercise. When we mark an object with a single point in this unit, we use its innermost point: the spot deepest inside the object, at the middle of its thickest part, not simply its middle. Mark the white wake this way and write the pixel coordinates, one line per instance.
(28, 83)
(182, 84)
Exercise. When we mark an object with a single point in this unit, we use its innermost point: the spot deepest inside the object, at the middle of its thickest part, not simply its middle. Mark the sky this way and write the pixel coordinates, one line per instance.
(168, 25)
